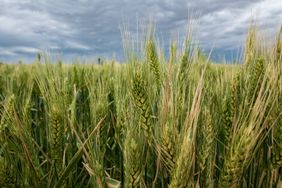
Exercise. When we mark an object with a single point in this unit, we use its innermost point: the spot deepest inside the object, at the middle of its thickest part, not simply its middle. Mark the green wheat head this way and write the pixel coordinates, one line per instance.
(228, 112)
(5, 122)
(152, 58)
(181, 173)
(235, 161)
(250, 46)
(208, 135)
(276, 152)
(277, 145)
(133, 160)
(256, 76)
(140, 97)
(168, 143)
(278, 48)
(235, 93)
(56, 128)
(183, 74)
(205, 158)
(229, 109)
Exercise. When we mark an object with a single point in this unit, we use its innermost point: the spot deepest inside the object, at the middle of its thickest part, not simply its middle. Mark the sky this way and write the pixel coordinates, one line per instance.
(87, 29)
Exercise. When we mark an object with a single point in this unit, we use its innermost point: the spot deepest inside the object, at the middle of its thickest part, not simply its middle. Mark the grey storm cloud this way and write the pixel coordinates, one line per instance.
(92, 28)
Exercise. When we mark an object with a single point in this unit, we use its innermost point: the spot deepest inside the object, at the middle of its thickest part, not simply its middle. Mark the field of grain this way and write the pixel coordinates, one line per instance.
(154, 122)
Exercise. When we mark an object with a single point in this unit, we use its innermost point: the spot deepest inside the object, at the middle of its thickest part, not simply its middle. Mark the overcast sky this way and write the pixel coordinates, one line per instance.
(91, 28)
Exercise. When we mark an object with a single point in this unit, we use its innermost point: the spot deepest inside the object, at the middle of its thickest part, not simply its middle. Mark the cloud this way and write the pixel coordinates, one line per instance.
(90, 28)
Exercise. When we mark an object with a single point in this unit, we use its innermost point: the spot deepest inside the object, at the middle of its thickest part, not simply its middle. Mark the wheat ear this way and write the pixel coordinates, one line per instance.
(141, 101)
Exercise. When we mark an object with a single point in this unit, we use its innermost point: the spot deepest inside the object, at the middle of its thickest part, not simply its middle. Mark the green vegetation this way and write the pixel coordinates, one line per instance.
(151, 122)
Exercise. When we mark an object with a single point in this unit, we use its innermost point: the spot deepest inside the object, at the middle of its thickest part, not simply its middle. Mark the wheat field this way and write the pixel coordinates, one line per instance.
(180, 121)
